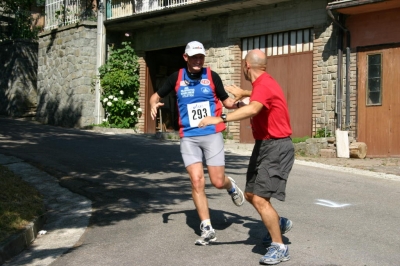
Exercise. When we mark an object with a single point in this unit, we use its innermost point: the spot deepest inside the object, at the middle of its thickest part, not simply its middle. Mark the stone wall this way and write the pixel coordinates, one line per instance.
(325, 67)
(18, 75)
(66, 75)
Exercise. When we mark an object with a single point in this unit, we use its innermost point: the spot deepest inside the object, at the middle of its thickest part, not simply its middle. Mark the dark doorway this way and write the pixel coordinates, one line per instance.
(161, 64)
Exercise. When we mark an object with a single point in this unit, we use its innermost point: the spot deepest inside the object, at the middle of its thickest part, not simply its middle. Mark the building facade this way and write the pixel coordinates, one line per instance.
(314, 50)
(297, 36)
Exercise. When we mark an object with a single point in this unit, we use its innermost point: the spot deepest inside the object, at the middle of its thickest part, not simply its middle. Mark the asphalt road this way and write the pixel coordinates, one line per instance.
(142, 212)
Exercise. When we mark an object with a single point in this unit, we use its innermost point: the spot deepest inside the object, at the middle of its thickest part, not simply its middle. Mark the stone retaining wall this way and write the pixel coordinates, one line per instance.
(66, 75)
(18, 75)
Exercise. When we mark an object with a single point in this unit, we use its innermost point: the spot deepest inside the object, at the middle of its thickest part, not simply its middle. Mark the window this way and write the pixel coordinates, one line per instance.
(374, 79)
(280, 43)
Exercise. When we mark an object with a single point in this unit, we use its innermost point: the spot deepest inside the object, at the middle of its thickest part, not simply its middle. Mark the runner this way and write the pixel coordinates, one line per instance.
(199, 93)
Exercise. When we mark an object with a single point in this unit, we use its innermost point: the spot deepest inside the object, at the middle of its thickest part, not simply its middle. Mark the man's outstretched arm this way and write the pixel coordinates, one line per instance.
(244, 112)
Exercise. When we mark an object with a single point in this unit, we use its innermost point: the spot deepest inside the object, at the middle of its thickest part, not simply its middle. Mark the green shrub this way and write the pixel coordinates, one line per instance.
(322, 133)
(119, 79)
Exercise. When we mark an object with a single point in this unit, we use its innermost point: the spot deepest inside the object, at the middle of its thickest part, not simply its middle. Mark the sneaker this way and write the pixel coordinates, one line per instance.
(285, 225)
(207, 235)
(237, 196)
(275, 255)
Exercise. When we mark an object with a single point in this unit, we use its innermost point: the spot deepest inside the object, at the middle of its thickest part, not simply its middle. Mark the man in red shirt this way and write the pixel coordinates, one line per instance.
(273, 153)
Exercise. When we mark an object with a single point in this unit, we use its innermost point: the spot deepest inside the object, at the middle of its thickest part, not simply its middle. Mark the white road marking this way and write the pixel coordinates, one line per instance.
(331, 204)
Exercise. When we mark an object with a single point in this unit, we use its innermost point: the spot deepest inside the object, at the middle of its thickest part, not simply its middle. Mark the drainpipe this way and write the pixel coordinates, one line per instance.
(339, 92)
(99, 61)
(347, 81)
(339, 74)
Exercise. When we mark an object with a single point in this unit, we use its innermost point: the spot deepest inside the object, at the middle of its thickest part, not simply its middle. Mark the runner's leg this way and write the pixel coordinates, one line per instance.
(197, 179)
(268, 214)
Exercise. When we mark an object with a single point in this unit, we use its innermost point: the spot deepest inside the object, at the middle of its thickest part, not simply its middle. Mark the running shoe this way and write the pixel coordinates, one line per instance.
(275, 255)
(285, 225)
(237, 196)
(207, 235)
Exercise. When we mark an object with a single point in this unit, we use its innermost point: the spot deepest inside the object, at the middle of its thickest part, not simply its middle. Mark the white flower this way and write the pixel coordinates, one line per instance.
(121, 92)
(134, 107)
(104, 120)
(115, 99)
(105, 99)
(139, 110)
(128, 102)
(132, 113)
(110, 97)
(109, 103)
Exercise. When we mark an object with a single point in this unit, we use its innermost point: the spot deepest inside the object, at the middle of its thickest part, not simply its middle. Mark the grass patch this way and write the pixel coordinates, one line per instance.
(298, 140)
(20, 203)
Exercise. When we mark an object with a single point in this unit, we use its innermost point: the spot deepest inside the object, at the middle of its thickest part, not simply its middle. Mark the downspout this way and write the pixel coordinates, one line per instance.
(347, 124)
(99, 61)
(339, 74)
(339, 85)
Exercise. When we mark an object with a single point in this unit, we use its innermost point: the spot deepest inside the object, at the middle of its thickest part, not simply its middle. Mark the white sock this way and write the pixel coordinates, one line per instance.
(233, 188)
(206, 222)
(281, 246)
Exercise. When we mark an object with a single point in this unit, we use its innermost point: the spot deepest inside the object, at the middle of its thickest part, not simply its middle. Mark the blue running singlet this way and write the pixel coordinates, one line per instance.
(197, 99)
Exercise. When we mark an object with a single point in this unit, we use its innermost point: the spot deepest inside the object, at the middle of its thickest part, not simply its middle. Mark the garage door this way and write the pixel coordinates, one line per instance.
(289, 61)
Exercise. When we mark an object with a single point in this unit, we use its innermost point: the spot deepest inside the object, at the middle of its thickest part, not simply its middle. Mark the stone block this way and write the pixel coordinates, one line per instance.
(327, 153)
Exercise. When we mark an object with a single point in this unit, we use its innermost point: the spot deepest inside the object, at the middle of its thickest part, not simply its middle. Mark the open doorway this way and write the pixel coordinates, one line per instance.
(161, 64)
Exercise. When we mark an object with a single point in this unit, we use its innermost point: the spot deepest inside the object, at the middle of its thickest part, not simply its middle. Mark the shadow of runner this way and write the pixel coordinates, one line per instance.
(221, 220)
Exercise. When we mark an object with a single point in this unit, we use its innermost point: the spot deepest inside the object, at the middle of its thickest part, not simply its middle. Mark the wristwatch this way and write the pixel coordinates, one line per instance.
(223, 116)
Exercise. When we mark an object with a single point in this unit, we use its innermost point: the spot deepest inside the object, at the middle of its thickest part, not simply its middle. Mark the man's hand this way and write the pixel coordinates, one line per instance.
(210, 120)
(154, 109)
(237, 92)
(154, 104)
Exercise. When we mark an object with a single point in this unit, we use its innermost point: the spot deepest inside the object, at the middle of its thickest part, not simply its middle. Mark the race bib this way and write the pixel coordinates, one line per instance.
(197, 111)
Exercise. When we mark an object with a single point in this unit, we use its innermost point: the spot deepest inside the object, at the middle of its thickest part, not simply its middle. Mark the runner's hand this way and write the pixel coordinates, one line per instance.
(236, 91)
(154, 109)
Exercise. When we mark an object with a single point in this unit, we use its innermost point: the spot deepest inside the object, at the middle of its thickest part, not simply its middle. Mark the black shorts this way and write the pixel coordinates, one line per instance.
(269, 167)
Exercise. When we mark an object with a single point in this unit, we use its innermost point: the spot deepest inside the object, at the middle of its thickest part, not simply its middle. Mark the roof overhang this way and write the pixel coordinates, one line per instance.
(188, 13)
(353, 7)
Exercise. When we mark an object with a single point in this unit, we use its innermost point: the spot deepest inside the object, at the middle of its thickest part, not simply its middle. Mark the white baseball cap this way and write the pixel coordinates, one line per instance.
(195, 47)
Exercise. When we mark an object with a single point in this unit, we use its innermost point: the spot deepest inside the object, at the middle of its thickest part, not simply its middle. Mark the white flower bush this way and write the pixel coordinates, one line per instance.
(120, 76)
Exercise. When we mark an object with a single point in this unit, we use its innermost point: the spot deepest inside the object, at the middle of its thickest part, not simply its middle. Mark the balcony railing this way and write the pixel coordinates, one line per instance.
(123, 8)
(64, 12)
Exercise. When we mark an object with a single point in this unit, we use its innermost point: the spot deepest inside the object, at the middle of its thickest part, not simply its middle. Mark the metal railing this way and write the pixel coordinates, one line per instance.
(65, 12)
(123, 8)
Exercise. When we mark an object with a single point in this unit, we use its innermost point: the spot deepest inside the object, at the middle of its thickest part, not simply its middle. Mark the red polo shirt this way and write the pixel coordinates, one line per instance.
(273, 121)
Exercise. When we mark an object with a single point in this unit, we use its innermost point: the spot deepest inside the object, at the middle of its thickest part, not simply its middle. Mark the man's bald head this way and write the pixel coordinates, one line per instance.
(256, 59)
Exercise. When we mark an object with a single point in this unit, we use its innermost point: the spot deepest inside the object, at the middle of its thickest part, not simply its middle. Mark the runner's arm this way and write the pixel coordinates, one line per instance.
(167, 87)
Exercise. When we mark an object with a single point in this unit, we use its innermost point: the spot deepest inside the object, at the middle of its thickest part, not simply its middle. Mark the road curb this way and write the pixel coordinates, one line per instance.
(16, 243)
(66, 218)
